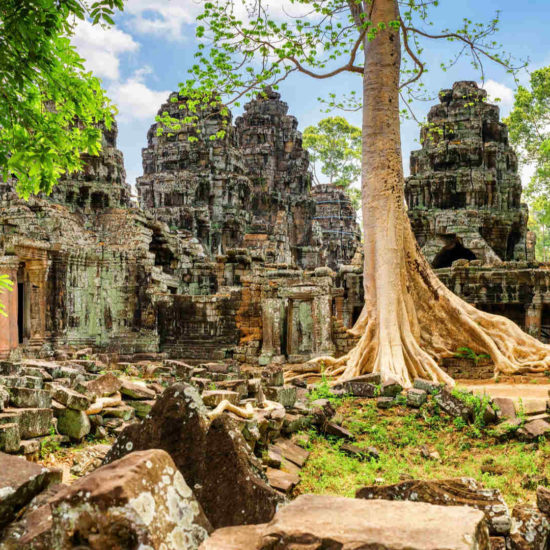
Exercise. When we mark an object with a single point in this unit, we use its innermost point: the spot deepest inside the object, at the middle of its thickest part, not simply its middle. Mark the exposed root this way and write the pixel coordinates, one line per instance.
(99, 404)
(246, 412)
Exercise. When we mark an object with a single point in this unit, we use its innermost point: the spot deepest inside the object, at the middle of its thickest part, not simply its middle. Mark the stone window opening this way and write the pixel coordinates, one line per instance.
(99, 200)
(451, 252)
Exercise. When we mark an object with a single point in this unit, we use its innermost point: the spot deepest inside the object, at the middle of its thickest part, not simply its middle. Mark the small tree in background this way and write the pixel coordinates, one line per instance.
(336, 145)
(529, 126)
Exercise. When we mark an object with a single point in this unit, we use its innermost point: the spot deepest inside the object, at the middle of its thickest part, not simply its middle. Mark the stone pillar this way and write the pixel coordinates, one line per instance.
(9, 336)
(35, 275)
(533, 318)
(339, 308)
(322, 319)
(271, 337)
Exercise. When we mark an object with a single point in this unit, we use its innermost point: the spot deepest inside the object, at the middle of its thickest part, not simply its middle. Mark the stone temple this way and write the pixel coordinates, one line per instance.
(232, 254)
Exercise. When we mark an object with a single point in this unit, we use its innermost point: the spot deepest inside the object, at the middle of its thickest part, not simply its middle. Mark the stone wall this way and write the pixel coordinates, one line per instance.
(336, 216)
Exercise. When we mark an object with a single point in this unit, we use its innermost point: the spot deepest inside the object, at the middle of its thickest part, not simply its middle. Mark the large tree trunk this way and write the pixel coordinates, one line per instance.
(410, 319)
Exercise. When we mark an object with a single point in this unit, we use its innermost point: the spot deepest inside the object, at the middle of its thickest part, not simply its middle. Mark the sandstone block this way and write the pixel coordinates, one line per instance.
(212, 398)
(212, 457)
(102, 386)
(20, 482)
(73, 423)
(449, 492)
(70, 398)
(30, 398)
(140, 501)
(10, 439)
(136, 391)
(337, 522)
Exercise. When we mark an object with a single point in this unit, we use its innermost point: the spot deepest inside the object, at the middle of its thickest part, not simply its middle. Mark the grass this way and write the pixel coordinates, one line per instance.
(401, 434)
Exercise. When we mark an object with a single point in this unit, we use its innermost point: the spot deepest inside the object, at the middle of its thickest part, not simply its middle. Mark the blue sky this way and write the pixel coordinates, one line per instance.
(149, 50)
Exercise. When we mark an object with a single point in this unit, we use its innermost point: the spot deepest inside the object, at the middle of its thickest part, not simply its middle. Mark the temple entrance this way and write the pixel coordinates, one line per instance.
(23, 305)
(452, 251)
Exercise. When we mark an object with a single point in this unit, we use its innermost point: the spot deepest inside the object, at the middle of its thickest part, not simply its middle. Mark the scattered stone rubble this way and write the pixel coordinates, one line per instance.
(235, 439)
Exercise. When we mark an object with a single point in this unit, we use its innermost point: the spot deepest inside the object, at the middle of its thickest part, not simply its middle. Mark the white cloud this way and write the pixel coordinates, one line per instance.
(496, 90)
(102, 47)
(167, 18)
(134, 99)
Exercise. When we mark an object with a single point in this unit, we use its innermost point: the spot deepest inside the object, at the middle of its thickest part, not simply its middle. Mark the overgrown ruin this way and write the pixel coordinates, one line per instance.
(233, 254)
(161, 330)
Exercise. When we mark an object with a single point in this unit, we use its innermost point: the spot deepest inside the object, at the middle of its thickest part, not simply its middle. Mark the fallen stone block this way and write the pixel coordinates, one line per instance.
(282, 481)
(285, 395)
(33, 422)
(70, 398)
(20, 482)
(543, 499)
(102, 386)
(212, 398)
(428, 386)
(363, 386)
(416, 398)
(530, 529)
(448, 492)
(386, 402)
(390, 388)
(122, 411)
(136, 391)
(534, 429)
(10, 439)
(30, 398)
(4, 398)
(506, 408)
(73, 423)
(29, 446)
(335, 430)
(273, 376)
(140, 501)
(453, 406)
(292, 452)
(142, 408)
(212, 457)
(321, 521)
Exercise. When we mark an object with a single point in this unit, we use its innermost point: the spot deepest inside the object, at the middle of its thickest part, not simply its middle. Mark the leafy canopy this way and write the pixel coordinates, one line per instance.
(529, 127)
(335, 144)
(5, 284)
(45, 90)
(246, 45)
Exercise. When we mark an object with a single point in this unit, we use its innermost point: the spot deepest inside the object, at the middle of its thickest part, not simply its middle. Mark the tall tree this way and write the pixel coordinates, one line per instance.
(529, 125)
(410, 320)
(44, 90)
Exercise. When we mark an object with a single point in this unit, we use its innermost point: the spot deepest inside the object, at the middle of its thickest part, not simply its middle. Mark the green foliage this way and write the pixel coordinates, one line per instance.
(468, 353)
(529, 127)
(335, 144)
(51, 107)
(399, 437)
(477, 404)
(323, 391)
(5, 285)
(50, 444)
(246, 45)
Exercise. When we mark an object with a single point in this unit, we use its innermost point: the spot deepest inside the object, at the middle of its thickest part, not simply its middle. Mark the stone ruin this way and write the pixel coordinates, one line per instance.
(464, 200)
(229, 254)
(233, 262)
(232, 255)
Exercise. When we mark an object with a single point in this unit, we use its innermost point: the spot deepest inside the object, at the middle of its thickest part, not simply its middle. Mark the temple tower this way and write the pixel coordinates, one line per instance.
(464, 192)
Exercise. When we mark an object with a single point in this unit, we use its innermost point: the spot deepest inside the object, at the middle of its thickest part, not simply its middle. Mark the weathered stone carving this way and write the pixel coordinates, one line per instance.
(464, 192)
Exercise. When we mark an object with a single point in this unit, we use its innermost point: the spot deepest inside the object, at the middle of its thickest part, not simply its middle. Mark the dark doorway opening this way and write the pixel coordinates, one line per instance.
(20, 311)
(452, 252)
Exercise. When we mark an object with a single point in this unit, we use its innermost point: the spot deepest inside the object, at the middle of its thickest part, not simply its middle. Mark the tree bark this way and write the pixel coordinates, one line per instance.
(410, 319)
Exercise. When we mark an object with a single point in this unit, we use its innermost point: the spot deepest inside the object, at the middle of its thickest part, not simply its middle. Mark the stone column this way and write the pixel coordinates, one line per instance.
(533, 317)
(271, 337)
(35, 275)
(9, 336)
(339, 308)
(322, 323)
